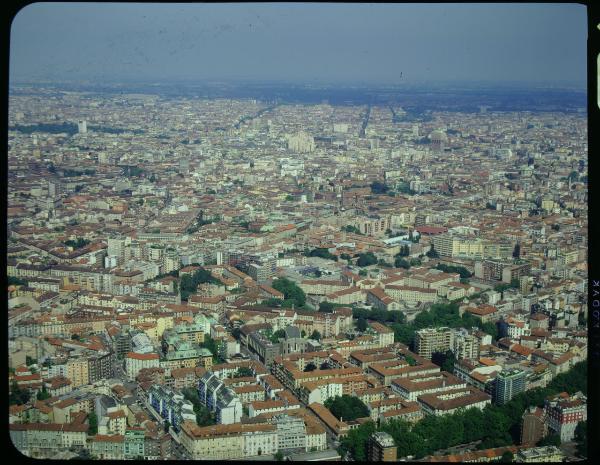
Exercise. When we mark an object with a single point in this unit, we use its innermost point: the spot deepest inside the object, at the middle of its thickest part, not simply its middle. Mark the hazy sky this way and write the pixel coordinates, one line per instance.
(296, 41)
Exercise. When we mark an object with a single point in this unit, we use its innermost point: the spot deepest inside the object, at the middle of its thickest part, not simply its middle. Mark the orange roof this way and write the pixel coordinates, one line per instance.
(136, 356)
(487, 361)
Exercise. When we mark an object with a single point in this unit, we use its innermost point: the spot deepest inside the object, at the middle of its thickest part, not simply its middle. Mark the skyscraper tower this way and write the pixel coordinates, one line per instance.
(82, 127)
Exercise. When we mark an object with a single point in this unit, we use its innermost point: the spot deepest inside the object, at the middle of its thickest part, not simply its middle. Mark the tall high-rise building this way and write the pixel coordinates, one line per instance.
(465, 345)
(508, 384)
(382, 448)
(82, 127)
(54, 189)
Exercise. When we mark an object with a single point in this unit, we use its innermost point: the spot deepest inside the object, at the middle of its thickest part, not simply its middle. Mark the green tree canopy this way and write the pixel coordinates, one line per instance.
(316, 335)
(243, 372)
(361, 324)
(93, 423)
(323, 253)
(347, 407)
(550, 440)
(291, 291)
(366, 259)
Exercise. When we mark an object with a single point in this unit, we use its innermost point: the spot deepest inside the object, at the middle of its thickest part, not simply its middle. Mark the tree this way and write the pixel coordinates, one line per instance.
(347, 407)
(310, 367)
(243, 372)
(17, 395)
(383, 263)
(291, 291)
(323, 253)
(400, 262)
(361, 324)
(43, 394)
(278, 456)
(461, 270)
(355, 442)
(415, 262)
(12, 281)
(316, 335)
(581, 438)
(432, 252)
(379, 187)
(167, 425)
(189, 283)
(366, 259)
(550, 440)
(279, 334)
(204, 417)
(326, 307)
(30, 361)
(517, 251)
(410, 360)
(210, 344)
(445, 360)
(351, 229)
(93, 423)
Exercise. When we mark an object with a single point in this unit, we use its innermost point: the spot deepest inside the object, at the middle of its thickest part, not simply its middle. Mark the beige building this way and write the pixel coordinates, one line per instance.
(77, 372)
(134, 362)
(430, 340)
(43, 440)
(221, 442)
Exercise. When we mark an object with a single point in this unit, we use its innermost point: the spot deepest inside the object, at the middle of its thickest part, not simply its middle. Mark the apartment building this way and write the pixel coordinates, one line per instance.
(219, 399)
(430, 340)
(43, 440)
(413, 387)
(381, 448)
(564, 412)
(171, 405)
(448, 402)
(134, 362)
(237, 441)
(508, 384)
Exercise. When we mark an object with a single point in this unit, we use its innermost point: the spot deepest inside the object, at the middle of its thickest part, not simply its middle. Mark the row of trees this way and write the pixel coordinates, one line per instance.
(439, 315)
(69, 173)
(461, 270)
(495, 426)
(78, 243)
(13, 281)
(382, 316)
(323, 253)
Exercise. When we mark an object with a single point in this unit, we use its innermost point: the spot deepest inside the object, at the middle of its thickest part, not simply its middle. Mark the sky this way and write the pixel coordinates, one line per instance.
(301, 42)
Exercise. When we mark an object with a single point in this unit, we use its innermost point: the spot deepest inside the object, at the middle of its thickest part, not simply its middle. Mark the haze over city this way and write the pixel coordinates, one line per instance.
(372, 43)
(298, 232)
